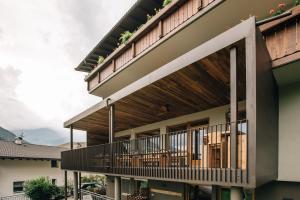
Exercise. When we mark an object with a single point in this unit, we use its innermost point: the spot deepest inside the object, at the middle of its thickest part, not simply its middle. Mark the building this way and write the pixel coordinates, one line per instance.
(201, 102)
(20, 162)
(76, 145)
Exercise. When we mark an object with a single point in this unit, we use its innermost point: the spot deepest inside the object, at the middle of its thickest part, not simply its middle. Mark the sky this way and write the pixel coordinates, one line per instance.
(41, 42)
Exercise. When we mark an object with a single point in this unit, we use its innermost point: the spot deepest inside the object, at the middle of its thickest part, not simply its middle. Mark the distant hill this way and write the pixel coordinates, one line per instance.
(6, 135)
(42, 136)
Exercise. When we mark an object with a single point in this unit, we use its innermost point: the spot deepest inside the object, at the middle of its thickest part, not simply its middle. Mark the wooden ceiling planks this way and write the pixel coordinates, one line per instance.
(200, 86)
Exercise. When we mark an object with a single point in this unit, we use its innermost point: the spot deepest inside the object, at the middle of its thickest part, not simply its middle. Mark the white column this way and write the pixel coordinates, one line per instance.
(163, 138)
(214, 192)
(236, 193)
(117, 188)
(75, 174)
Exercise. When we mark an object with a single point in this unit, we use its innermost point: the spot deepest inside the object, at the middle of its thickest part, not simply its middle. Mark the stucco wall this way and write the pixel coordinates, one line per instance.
(289, 132)
(215, 116)
(22, 170)
(278, 191)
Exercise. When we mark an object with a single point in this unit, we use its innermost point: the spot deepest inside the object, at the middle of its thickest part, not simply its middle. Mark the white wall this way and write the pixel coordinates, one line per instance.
(289, 133)
(22, 170)
(215, 116)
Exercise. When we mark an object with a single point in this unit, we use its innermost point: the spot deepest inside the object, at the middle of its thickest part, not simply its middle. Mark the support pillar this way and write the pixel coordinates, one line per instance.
(75, 174)
(163, 138)
(111, 123)
(236, 193)
(214, 192)
(79, 180)
(66, 185)
(71, 137)
(233, 108)
(111, 129)
(117, 188)
(75, 179)
(132, 187)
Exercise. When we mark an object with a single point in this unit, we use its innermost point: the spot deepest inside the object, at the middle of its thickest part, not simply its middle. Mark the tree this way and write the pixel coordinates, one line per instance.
(41, 188)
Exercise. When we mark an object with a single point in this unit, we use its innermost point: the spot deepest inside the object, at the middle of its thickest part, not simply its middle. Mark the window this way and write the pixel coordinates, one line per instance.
(53, 181)
(54, 164)
(18, 186)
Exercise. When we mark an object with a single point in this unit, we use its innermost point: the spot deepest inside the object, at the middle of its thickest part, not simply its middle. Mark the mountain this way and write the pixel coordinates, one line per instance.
(6, 135)
(42, 136)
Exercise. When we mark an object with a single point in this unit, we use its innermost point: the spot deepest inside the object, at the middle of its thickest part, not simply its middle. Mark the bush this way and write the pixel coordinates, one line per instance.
(41, 188)
(100, 60)
(125, 36)
(166, 2)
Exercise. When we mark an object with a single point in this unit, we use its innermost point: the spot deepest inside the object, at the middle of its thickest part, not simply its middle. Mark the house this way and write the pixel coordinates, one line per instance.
(20, 162)
(76, 145)
(200, 101)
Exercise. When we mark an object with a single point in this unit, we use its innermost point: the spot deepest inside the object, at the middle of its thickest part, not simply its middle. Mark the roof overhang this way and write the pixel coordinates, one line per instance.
(97, 116)
(133, 18)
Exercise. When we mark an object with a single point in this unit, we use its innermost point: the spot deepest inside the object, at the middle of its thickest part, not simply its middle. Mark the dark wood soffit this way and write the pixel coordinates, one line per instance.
(200, 86)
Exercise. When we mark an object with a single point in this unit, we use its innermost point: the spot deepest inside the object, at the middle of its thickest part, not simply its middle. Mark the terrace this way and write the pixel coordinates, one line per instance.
(224, 71)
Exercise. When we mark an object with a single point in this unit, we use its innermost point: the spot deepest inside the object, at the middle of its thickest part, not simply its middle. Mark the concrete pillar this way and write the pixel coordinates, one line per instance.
(79, 185)
(163, 138)
(66, 185)
(117, 188)
(236, 193)
(214, 192)
(233, 107)
(75, 179)
(132, 186)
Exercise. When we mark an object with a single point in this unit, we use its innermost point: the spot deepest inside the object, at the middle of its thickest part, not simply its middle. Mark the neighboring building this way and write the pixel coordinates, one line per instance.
(76, 145)
(20, 162)
(202, 102)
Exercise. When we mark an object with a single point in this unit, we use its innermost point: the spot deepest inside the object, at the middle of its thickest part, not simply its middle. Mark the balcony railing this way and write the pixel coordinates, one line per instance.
(197, 154)
(94, 196)
(161, 25)
(21, 196)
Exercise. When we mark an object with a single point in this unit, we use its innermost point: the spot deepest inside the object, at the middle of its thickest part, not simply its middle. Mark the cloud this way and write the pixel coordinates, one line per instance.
(13, 113)
(44, 41)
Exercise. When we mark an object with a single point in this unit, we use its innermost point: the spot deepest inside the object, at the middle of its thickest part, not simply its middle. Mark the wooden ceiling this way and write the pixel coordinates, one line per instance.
(200, 86)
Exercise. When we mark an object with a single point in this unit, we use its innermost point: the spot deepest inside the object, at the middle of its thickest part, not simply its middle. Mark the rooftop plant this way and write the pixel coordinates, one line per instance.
(279, 10)
(125, 36)
(166, 2)
(100, 60)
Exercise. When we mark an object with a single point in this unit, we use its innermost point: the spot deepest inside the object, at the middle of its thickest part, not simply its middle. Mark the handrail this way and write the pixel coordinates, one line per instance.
(161, 24)
(95, 196)
(20, 196)
(180, 154)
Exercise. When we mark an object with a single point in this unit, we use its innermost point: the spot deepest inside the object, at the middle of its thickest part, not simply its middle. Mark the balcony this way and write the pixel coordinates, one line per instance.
(205, 83)
(194, 155)
(160, 27)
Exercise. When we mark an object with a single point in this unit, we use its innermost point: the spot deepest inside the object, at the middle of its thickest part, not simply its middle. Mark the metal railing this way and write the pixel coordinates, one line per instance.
(199, 154)
(93, 196)
(21, 196)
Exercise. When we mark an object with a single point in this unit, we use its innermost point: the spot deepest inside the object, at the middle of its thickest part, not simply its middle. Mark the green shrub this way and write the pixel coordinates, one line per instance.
(297, 2)
(125, 36)
(166, 2)
(100, 60)
(41, 188)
